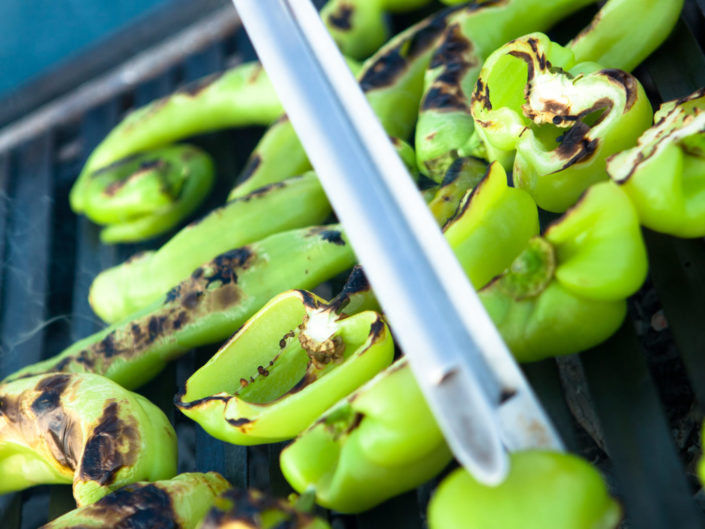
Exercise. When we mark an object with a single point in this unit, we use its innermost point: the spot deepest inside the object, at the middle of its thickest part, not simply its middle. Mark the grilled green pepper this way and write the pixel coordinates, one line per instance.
(241, 96)
(463, 174)
(544, 490)
(553, 120)
(566, 291)
(81, 429)
(250, 509)
(379, 442)
(124, 289)
(622, 34)
(177, 503)
(207, 307)
(289, 363)
(149, 193)
(392, 80)
(664, 175)
(444, 124)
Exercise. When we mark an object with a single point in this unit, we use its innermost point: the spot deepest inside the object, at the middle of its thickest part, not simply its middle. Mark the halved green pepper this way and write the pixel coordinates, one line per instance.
(552, 120)
(566, 291)
(289, 363)
(207, 307)
(177, 503)
(82, 429)
(544, 490)
(664, 175)
(251, 509)
(149, 193)
(379, 442)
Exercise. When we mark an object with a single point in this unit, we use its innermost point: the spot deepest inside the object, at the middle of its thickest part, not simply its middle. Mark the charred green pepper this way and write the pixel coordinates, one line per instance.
(81, 429)
(177, 503)
(379, 442)
(207, 307)
(145, 278)
(149, 193)
(581, 270)
(250, 509)
(289, 363)
(544, 490)
(553, 120)
(664, 175)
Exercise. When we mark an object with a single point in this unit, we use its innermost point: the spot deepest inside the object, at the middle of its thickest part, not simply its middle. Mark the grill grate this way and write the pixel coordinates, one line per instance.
(633, 405)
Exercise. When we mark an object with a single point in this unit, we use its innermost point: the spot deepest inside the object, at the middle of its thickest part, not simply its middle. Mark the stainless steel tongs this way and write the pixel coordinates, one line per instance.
(477, 393)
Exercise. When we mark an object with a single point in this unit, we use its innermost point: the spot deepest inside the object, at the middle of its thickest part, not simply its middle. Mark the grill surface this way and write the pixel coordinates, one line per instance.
(633, 406)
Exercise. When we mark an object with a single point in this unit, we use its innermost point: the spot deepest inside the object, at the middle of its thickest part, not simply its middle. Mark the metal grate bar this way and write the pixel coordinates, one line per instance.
(651, 478)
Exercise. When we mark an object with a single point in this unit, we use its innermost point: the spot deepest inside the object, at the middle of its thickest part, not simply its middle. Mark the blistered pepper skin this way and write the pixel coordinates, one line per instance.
(241, 96)
(544, 490)
(581, 270)
(251, 509)
(208, 307)
(149, 193)
(555, 121)
(664, 175)
(81, 429)
(177, 503)
(379, 442)
(124, 289)
(290, 362)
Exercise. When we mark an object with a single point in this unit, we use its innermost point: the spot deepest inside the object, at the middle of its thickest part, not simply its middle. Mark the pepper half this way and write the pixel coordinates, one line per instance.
(289, 363)
(544, 490)
(664, 175)
(379, 442)
(554, 121)
(177, 503)
(251, 509)
(82, 429)
(566, 291)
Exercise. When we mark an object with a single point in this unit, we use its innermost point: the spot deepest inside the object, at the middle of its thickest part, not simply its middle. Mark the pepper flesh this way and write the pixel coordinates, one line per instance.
(251, 509)
(81, 429)
(148, 194)
(544, 490)
(124, 289)
(207, 307)
(553, 120)
(581, 270)
(290, 362)
(379, 442)
(177, 503)
(664, 175)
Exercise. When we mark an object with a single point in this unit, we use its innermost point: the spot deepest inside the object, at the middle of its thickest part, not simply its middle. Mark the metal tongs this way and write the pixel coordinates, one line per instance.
(471, 382)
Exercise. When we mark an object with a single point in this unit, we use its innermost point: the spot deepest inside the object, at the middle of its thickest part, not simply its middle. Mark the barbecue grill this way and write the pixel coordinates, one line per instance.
(633, 406)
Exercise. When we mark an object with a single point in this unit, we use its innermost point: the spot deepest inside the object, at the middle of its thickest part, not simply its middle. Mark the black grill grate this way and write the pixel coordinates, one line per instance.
(633, 405)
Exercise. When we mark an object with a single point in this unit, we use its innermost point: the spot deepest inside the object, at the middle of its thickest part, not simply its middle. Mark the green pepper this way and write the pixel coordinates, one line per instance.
(379, 442)
(463, 174)
(554, 120)
(241, 96)
(83, 429)
(544, 490)
(208, 307)
(178, 503)
(566, 291)
(392, 80)
(664, 175)
(250, 509)
(149, 193)
(143, 279)
(289, 363)
(444, 124)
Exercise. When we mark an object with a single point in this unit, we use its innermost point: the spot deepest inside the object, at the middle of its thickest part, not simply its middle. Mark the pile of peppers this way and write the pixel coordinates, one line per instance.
(507, 128)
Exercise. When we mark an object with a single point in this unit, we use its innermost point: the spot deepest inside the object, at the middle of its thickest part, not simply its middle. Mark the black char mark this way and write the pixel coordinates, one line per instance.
(627, 81)
(454, 56)
(341, 19)
(103, 455)
(135, 506)
(482, 94)
(226, 264)
(333, 236)
(252, 164)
